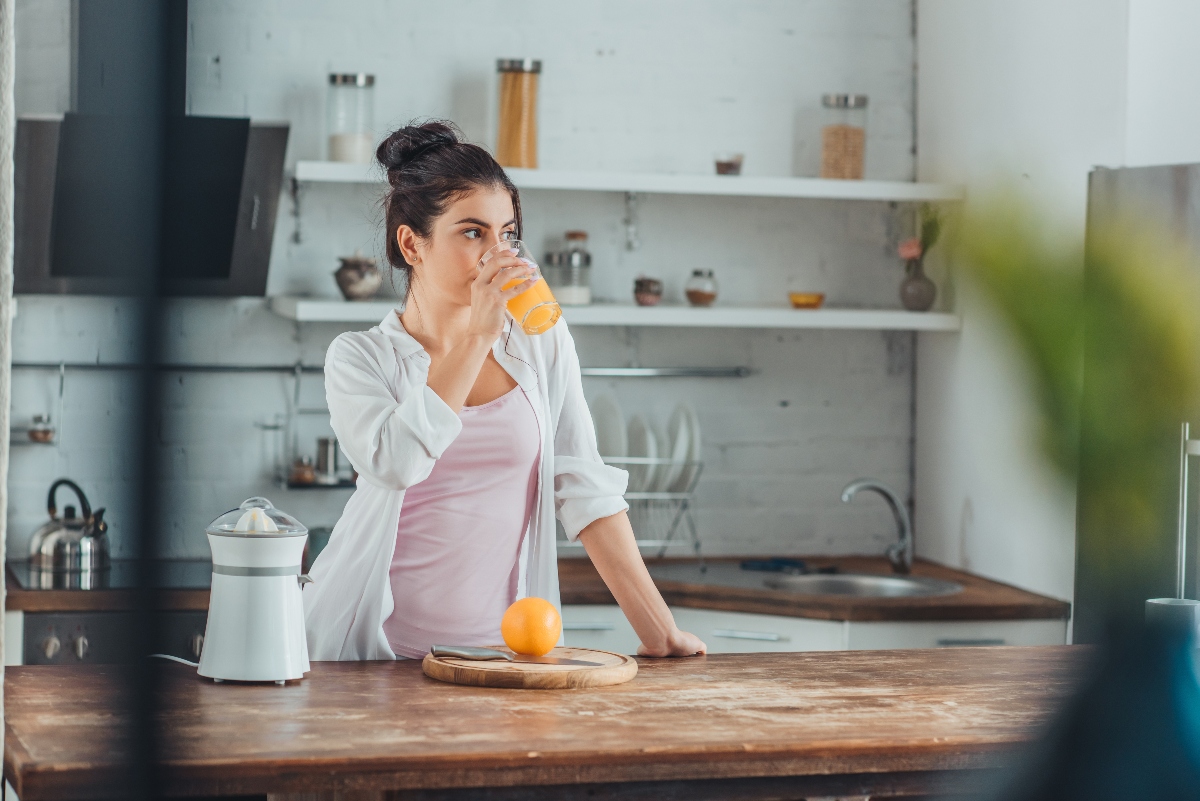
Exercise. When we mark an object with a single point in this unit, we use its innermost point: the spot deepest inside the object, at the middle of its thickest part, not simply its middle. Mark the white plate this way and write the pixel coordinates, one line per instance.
(679, 439)
(642, 443)
(610, 426)
(688, 474)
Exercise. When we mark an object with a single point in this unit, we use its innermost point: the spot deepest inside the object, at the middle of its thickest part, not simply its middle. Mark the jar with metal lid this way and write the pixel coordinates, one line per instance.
(844, 136)
(516, 135)
(701, 288)
(351, 114)
(41, 431)
(569, 274)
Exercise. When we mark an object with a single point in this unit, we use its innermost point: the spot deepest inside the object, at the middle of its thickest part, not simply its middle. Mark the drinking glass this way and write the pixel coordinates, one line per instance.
(535, 309)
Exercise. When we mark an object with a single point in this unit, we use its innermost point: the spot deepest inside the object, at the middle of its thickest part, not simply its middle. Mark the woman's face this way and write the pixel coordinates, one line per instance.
(445, 263)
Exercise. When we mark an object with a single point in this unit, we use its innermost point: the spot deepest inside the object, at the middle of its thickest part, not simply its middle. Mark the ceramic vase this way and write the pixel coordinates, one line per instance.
(917, 291)
(358, 277)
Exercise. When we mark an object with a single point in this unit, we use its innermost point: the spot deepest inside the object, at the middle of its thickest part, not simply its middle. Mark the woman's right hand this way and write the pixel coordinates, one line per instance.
(678, 643)
(489, 298)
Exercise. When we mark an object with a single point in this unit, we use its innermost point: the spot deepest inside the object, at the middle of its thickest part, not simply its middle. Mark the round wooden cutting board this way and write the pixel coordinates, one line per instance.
(614, 669)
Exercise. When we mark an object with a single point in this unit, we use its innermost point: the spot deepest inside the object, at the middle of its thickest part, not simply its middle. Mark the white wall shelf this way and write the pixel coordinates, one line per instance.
(339, 311)
(730, 185)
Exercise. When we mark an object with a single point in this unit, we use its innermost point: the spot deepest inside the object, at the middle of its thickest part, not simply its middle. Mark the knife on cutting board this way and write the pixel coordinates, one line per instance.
(489, 654)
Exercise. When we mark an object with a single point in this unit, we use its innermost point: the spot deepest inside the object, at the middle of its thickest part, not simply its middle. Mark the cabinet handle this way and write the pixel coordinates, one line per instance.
(964, 642)
(732, 634)
(587, 626)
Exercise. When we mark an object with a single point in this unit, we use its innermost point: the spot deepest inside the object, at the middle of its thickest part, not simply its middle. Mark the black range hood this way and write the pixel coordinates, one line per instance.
(124, 187)
(79, 228)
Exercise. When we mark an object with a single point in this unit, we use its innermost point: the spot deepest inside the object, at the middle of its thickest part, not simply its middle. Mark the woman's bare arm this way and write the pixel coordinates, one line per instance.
(610, 544)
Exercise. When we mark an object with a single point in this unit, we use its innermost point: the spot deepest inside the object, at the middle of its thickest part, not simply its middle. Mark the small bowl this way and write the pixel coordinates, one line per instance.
(647, 291)
(806, 300)
(728, 163)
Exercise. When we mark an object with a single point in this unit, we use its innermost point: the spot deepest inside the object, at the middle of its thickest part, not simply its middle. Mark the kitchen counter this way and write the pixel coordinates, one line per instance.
(858, 723)
(184, 589)
(980, 598)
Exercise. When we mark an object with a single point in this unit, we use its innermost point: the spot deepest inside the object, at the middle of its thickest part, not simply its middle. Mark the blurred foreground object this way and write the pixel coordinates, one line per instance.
(1131, 734)
(1111, 339)
(1113, 346)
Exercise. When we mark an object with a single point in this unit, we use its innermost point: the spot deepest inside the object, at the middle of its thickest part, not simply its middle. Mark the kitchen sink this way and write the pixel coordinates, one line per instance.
(862, 586)
(845, 585)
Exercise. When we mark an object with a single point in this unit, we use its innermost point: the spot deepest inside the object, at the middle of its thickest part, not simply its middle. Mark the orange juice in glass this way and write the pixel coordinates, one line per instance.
(535, 309)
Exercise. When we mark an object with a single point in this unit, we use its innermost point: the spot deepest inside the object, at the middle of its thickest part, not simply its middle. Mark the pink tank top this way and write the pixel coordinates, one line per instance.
(455, 566)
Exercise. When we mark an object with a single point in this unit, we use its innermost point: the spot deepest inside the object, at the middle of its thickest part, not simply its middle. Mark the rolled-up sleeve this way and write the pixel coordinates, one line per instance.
(392, 443)
(585, 489)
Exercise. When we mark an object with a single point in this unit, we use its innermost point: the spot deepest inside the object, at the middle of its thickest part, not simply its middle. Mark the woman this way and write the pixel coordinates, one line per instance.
(469, 436)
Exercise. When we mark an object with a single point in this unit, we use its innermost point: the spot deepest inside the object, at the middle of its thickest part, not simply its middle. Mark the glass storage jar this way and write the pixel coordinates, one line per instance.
(844, 136)
(41, 431)
(574, 268)
(516, 134)
(701, 288)
(351, 107)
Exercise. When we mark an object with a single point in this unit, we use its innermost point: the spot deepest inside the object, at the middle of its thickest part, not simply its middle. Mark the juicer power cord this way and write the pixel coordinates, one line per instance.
(173, 659)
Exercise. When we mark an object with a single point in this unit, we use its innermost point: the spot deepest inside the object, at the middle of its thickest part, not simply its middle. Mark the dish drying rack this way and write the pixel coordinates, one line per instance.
(660, 519)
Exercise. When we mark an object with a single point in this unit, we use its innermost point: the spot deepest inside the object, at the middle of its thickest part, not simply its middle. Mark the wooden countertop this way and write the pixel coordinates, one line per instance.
(18, 599)
(868, 720)
(980, 599)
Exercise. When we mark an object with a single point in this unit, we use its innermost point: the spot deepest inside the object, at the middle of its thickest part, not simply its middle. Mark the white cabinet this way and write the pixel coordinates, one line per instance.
(600, 626)
(743, 633)
(14, 637)
(605, 627)
(864, 636)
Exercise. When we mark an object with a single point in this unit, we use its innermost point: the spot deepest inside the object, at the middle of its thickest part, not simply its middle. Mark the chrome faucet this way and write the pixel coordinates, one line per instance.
(899, 553)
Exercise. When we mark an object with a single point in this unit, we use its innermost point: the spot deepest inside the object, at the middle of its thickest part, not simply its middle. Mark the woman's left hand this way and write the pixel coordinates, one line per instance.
(679, 643)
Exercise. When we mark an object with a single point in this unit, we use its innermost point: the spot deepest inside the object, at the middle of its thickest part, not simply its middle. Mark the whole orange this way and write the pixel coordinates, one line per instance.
(531, 626)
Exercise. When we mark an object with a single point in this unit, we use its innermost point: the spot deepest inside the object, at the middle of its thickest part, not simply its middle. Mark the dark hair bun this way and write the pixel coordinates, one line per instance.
(409, 143)
(429, 166)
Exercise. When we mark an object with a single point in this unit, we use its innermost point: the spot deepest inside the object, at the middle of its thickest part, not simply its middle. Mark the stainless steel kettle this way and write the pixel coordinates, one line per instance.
(73, 545)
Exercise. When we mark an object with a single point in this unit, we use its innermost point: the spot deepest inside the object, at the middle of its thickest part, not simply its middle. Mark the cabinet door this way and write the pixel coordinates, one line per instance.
(742, 633)
(953, 634)
(600, 626)
(14, 637)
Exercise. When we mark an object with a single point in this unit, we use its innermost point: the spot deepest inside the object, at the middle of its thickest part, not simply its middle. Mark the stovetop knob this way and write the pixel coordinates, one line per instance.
(51, 646)
(197, 643)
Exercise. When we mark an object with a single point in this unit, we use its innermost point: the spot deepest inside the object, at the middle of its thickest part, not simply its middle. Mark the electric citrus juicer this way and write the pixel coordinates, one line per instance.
(255, 612)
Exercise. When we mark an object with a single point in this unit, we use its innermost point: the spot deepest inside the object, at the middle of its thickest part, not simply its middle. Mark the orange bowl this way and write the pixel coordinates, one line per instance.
(806, 300)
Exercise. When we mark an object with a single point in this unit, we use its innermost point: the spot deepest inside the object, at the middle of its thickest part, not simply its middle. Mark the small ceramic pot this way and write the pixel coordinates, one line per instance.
(647, 291)
(358, 277)
(917, 291)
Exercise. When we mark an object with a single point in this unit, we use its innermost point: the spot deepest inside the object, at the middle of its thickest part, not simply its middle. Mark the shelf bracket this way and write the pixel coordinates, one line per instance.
(631, 219)
(294, 192)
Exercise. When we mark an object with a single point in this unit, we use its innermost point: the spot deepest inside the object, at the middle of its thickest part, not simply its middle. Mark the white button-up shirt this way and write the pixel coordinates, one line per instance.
(393, 428)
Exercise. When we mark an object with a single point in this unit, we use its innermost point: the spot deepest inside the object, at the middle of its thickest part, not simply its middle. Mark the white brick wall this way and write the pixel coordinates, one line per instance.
(821, 409)
(643, 86)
